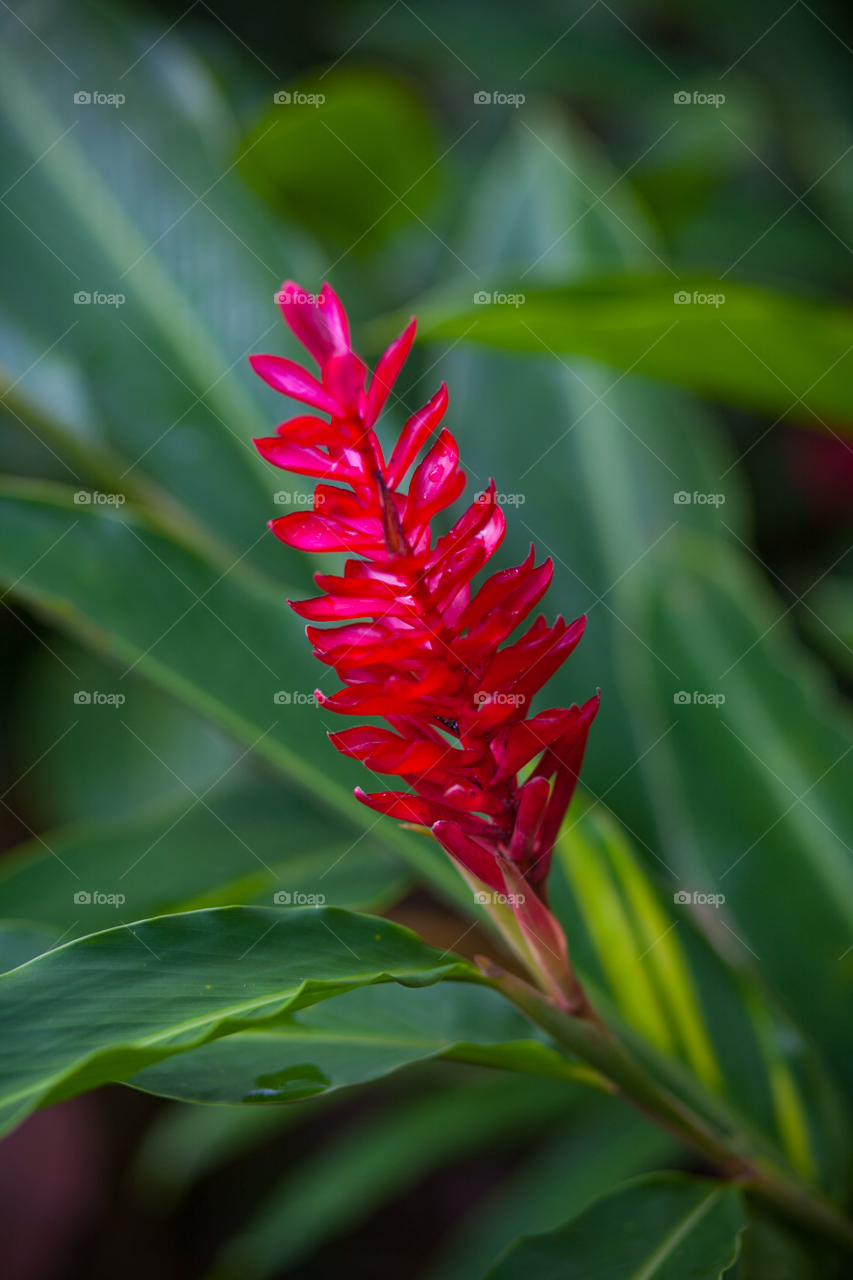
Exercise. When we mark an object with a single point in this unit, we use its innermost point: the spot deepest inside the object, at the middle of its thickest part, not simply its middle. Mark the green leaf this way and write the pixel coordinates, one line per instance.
(380, 1157)
(603, 1142)
(165, 393)
(672, 602)
(772, 1247)
(722, 1025)
(661, 1227)
(826, 615)
(783, 355)
(764, 806)
(21, 941)
(358, 1037)
(224, 645)
(371, 138)
(128, 749)
(236, 845)
(106, 1006)
(763, 1075)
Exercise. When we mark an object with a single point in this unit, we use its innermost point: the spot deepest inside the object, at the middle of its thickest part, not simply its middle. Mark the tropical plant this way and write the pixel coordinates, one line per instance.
(665, 1102)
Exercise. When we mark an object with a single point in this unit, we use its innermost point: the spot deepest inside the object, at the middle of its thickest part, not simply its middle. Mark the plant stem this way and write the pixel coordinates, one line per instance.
(596, 1045)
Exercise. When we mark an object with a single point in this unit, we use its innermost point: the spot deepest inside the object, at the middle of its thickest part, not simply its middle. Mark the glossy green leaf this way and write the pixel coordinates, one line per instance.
(110, 1004)
(360, 1036)
(601, 1144)
(370, 137)
(661, 1227)
(783, 355)
(227, 646)
(372, 1160)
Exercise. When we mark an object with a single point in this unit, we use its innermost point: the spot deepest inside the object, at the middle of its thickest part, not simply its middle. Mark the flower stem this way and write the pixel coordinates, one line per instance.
(596, 1045)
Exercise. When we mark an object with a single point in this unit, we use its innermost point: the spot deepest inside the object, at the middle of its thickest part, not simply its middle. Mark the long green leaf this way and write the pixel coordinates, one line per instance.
(601, 1144)
(360, 1036)
(109, 1005)
(224, 645)
(786, 356)
(673, 605)
(195, 258)
(661, 1227)
(237, 845)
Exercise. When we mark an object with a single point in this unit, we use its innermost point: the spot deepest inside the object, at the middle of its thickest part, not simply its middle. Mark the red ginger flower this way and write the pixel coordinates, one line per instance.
(428, 660)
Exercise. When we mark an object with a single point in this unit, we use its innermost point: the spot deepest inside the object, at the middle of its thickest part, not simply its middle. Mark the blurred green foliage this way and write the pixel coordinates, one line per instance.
(599, 199)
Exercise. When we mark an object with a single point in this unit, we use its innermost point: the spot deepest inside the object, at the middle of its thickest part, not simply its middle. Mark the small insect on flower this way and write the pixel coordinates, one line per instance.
(411, 642)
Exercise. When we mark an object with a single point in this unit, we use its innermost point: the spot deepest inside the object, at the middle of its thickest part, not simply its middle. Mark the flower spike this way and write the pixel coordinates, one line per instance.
(412, 641)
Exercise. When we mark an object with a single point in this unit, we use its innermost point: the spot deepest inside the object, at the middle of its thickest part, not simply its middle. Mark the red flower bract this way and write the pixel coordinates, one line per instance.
(415, 646)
